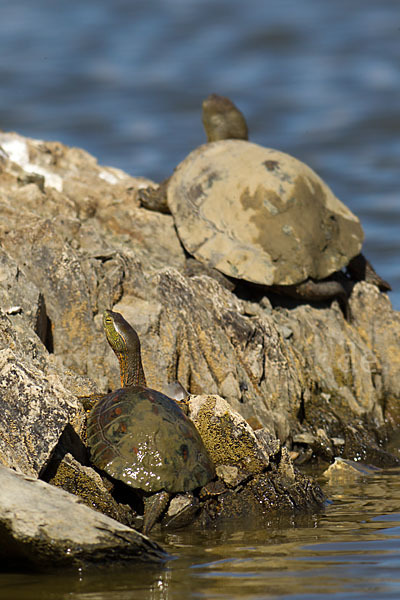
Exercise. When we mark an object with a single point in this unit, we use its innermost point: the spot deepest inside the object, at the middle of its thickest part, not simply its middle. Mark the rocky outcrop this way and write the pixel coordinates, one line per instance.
(74, 240)
(36, 405)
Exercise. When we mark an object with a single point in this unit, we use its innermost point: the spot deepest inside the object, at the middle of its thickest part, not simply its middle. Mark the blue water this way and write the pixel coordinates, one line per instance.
(125, 79)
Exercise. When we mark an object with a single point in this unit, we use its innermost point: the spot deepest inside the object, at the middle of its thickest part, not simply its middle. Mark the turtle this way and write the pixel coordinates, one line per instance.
(140, 436)
(261, 216)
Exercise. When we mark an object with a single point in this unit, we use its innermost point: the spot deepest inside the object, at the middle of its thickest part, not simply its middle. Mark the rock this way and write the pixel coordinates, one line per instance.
(35, 407)
(182, 511)
(76, 241)
(257, 474)
(279, 490)
(270, 443)
(304, 438)
(229, 439)
(229, 475)
(19, 295)
(379, 326)
(347, 471)
(43, 526)
(308, 445)
(176, 391)
(84, 482)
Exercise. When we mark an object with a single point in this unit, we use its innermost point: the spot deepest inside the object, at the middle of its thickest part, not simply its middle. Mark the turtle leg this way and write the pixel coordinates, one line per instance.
(155, 198)
(315, 291)
(153, 507)
(360, 269)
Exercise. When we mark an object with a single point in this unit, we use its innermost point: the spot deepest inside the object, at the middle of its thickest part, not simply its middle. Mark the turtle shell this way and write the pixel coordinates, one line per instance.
(260, 215)
(141, 437)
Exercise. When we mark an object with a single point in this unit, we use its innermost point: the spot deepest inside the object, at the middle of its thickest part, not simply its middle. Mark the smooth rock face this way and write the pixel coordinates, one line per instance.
(260, 215)
(44, 526)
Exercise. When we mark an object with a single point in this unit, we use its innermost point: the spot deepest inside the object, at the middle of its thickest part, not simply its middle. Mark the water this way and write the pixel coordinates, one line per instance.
(320, 80)
(350, 552)
(125, 79)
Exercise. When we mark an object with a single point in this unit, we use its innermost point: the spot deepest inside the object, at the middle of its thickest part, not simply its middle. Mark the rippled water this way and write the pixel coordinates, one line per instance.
(320, 80)
(351, 552)
(125, 79)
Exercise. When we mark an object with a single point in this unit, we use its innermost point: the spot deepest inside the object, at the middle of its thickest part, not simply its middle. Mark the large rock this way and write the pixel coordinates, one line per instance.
(43, 526)
(229, 439)
(75, 237)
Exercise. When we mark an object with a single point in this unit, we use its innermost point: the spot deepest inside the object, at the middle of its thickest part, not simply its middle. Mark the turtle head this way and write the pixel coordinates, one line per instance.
(125, 343)
(118, 332)
(222, 120)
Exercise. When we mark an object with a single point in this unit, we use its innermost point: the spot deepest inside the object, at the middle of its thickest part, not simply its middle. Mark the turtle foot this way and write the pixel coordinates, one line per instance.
(318, 291)
(90, 400)
(360, 269)
(154, 506)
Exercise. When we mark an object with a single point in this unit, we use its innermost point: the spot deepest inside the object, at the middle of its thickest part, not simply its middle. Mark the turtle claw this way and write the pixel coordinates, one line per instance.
(90, 400)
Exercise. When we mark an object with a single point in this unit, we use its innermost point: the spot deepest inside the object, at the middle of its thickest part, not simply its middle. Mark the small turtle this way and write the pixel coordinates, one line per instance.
(140, 436)
(260, 215)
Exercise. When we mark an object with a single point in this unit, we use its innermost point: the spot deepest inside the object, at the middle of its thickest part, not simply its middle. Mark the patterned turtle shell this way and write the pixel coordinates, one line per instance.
(258, 214)
(141, 437)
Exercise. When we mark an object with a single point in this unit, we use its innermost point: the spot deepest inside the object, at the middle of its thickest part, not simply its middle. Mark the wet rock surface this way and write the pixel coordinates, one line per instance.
(342, 471)
(75, 241)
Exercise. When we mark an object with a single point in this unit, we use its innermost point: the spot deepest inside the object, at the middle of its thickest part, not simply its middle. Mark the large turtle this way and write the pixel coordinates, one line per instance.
(260, 215)
(140, 436)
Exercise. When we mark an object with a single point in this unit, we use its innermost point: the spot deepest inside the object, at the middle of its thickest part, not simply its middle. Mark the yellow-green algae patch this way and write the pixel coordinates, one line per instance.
(227, 436)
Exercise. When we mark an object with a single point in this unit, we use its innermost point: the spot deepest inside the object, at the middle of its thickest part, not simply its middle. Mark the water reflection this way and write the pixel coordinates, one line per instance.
(350, 550)
(345, 550)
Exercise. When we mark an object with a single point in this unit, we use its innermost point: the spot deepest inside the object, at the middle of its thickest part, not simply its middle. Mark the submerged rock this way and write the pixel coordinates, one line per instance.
(347, 471)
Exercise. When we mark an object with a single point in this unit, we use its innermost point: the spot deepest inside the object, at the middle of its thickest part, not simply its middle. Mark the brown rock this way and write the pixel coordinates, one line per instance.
(76, 240)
